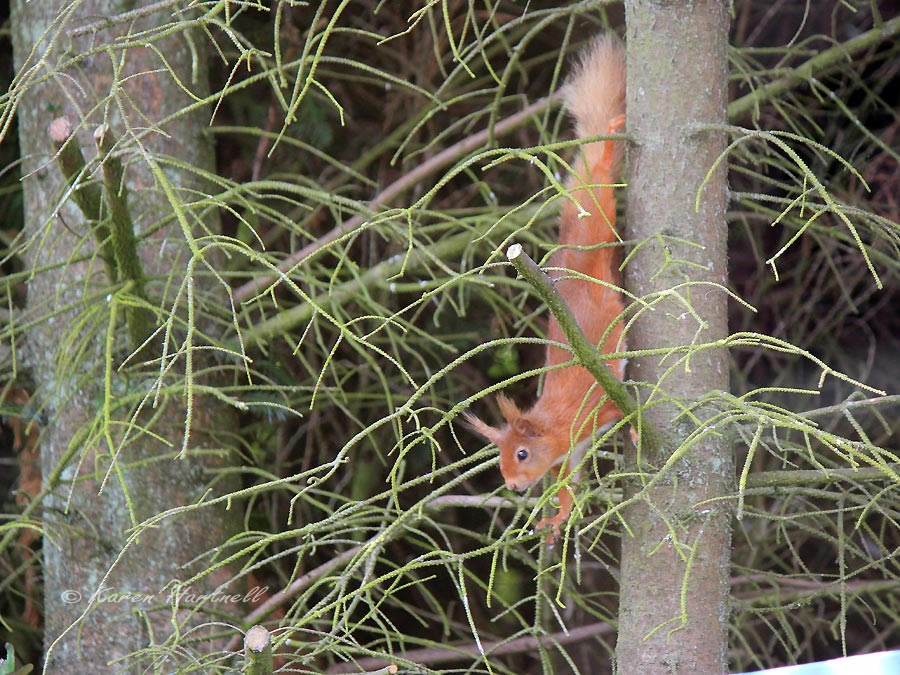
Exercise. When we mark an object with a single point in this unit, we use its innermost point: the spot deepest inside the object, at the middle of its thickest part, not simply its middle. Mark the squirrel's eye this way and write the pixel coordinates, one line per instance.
(522, 454)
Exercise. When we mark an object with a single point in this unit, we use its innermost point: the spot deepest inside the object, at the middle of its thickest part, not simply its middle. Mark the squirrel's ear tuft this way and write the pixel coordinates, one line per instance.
(482, 429)
(509, 409)
(526, 427)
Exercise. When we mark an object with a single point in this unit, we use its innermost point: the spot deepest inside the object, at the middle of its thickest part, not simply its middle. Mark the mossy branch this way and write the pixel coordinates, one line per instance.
(586, 354)
(376, 276)
(121, 227)
(87, 196)
(111, 222)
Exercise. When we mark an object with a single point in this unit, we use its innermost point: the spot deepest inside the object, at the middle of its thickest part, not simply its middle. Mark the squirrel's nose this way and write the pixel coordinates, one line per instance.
(511, 485)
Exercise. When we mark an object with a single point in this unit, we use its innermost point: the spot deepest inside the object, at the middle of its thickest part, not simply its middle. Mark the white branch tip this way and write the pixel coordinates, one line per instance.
(100, 132)
(60, 130)
(257, 639)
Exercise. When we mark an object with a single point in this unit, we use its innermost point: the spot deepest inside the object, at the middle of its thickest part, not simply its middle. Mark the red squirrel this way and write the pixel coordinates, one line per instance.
(567, 414)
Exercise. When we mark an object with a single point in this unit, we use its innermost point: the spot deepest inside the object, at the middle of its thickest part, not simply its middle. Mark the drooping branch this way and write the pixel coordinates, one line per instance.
(799, 75)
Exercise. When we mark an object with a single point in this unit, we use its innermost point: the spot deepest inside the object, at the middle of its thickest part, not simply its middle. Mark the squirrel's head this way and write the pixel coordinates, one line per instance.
(526, 445)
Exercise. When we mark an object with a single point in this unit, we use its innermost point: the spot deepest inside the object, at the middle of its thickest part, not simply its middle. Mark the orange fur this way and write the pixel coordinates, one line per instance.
(569, 411)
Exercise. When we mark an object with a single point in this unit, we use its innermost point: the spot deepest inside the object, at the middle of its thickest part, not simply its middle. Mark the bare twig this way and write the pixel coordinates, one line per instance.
(783, 597)
(851, 405)
(499, 648)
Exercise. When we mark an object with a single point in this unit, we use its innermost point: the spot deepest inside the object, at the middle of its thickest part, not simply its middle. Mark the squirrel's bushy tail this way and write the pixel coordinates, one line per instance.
(594, 96)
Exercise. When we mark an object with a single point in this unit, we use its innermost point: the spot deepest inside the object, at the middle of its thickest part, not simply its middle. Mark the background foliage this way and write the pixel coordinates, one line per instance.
(350, 372)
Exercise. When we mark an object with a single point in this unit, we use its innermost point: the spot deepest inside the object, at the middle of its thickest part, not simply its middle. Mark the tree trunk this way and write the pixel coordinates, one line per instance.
(675, 560)
(88, 566)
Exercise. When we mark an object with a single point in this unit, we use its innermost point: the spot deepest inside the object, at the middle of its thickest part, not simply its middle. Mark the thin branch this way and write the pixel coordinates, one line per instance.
(376, 276)
(586, 353)
(443, 158)
(498, 648)
(784, 598)
(299, 585)
(124, 243)
(124, 17)
(478, 501)
(775, 479)
(802, 73)
(851, 405)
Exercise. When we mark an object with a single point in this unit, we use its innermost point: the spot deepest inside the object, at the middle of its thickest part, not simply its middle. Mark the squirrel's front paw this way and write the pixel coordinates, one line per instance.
(616, 124)
(554, 524)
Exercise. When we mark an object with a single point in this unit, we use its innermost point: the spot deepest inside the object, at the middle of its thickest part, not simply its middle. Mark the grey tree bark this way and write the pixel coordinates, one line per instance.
(675, 560)
(90, 626)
